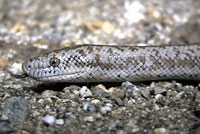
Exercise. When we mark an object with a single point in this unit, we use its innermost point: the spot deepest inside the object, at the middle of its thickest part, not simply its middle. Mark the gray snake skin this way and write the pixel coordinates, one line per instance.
(105, 63)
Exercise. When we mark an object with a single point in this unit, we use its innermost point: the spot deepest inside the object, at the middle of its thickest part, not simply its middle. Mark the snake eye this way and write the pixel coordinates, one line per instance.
(54, 62)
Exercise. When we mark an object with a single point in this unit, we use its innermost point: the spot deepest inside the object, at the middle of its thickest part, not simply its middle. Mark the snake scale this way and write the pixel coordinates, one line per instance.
(106, 63)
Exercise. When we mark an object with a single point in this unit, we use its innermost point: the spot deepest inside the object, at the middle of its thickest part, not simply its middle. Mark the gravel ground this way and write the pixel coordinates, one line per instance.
(29, 28)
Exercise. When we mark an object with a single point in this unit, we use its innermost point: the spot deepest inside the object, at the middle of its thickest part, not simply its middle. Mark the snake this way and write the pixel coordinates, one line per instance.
(112, 63)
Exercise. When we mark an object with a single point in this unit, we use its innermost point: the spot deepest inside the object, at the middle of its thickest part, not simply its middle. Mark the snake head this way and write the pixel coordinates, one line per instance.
(57, 66)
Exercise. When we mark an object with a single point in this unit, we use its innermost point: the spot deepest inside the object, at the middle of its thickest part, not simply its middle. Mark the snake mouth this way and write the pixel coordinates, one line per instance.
(72, 77)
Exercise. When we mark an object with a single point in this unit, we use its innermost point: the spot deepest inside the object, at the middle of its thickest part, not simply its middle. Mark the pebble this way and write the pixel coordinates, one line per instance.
(156, 107)
(59, 121)
(3, 62)
(180, 95)
(49, 120)
(16, 86)
(89, 119)
(85, 92)
(89, 107)
(131, 90)
(131, 102)
(69, 95)
(100, 92)
(108, 27)
(159, 90)
(117, 92)
(107, 108)
(132, 123)
(72, 87)
(69, 118)
(71, 92)
(127, 85)
(15, 68)
(119, 101)
(47, 94)
(4, 117)
(16, 109)
(160, 99)
(113, 125)
(5, 128)
(134, 11)
(103, 110)
(160, 131)
(145, 92)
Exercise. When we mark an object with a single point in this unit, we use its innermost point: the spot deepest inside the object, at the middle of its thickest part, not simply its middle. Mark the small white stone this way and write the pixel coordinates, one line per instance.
(108, 109)
(59, 121)
(15, 68)
(156, 107)
(48, 119)
(85, 92)
(134, 11)
(4, 117)
(89, 119)
(160, 131)
(158, 96)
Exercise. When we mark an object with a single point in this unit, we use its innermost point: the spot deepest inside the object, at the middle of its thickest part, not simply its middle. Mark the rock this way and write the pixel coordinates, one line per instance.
(113, 125)
(180, 95)
(89, 119)
(156, 107)
(69, 118)
(119, 101)
(127, 85)
(85, 92)
(160, 131)
(160, 99)
(71, 92)
(69, 95)
(100, 92)
(16, 109)
(49, 120)
(72, 87)
(107, 108)
(132, 124)
(131, 102)
(15, 68)
(89, 107)
(117, 92)
(145, 93)
(159, 90)
(5, 128)
(47, 94)
(59, 121)
(131, 90)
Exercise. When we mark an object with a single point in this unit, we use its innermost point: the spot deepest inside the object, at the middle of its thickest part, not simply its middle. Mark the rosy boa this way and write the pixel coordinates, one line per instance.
(98, 63)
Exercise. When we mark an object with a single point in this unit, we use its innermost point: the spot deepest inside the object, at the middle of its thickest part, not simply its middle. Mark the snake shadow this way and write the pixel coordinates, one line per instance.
(59, 86)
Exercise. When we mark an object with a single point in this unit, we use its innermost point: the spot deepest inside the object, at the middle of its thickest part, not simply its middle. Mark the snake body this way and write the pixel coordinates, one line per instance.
(98, 63)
